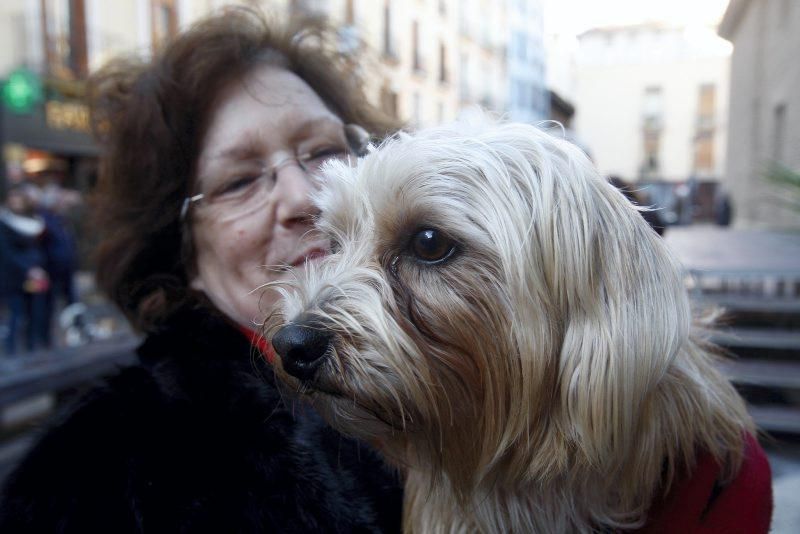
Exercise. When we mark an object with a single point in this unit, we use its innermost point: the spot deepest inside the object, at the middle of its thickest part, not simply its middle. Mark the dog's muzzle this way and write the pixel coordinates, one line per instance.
(302, 347)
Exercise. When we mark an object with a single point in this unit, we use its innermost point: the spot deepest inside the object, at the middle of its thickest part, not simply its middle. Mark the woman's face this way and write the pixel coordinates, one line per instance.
(246, 235)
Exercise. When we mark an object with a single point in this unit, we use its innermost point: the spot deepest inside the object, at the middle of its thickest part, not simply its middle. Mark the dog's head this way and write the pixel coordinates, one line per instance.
(489, 295)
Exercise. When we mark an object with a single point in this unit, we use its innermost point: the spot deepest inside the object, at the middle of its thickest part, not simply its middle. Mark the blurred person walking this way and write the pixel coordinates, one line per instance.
(203, 196)
(24, 282)
(53, 204)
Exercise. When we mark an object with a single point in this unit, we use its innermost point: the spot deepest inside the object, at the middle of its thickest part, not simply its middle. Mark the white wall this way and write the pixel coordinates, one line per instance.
(613, 71)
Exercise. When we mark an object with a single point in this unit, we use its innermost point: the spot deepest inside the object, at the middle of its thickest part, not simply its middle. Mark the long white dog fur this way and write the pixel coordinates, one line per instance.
(545, 376)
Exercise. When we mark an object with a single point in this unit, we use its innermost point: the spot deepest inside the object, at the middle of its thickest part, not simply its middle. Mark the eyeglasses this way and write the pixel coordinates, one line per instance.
(247, 185)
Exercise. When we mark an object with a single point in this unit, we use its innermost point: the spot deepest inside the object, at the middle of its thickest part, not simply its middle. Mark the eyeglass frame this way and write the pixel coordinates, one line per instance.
(357, 138)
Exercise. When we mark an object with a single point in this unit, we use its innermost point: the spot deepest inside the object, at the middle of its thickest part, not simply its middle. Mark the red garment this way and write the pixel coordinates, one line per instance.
(699, 504)
(261, 343)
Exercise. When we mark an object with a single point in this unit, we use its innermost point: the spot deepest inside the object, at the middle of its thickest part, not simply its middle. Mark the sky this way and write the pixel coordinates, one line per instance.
(571, 17)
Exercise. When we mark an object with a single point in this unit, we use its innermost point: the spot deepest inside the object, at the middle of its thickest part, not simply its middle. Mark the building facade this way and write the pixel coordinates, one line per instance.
(423, 60)
(47, 50)
(764, 110)
(408, 52)
(482, 49)
(528, 98)
(429, 59)
(652, 100)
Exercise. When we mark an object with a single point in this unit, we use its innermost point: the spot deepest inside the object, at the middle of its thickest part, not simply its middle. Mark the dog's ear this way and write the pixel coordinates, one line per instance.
(624, 311)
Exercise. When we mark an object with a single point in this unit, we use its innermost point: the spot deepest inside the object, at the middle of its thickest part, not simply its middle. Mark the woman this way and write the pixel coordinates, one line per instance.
(204, 197)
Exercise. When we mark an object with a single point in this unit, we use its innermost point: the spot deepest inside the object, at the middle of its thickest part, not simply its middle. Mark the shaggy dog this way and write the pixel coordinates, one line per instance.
(510, 331)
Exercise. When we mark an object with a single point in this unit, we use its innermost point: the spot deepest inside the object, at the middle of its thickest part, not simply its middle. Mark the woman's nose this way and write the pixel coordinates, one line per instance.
(294, 190)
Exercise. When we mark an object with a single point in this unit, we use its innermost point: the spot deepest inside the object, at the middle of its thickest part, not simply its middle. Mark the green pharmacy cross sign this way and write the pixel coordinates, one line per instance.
(21, 91)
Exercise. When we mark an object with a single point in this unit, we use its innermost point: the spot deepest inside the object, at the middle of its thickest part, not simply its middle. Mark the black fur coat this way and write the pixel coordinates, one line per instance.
(197, 439)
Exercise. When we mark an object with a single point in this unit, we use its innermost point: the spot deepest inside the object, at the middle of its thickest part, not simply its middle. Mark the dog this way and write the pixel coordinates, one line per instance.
(504, 325)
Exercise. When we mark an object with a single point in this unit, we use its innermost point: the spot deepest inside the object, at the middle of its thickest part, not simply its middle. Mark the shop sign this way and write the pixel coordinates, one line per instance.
(21, 91)
(67, 116)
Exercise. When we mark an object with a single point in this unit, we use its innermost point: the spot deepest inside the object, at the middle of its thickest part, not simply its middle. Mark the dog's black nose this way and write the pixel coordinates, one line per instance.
(302, 349)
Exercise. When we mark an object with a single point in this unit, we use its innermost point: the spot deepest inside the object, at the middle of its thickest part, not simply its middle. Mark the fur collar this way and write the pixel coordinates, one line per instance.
(201, 356)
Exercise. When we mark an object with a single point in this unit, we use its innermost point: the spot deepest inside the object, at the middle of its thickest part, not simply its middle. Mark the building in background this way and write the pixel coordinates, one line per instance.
(423, 61)
(426, 60)
(652, 101)
(528, 98)
(482, 49)
(764, 133)
(47, 49)
(408, 51)
(430, 59)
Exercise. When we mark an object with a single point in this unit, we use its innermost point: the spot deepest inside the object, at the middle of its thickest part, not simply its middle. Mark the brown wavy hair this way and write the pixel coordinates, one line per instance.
(150, 118)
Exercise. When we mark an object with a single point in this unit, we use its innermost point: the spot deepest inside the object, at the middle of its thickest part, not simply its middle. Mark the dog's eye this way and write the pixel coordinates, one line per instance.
(432, 246)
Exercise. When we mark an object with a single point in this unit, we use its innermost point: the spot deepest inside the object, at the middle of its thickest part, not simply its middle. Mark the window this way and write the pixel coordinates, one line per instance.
(64, 24)
(651, 149)
(704, 153)
(705, 106)
(388, 41)
(704, 135)
(653, 108)
(415, 53)
(442, 63)
(164, 22)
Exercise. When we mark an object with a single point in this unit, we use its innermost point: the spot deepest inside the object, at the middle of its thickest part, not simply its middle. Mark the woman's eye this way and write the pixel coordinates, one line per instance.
(432, 246)
(328, 152)
(319, 156)
(238, 184)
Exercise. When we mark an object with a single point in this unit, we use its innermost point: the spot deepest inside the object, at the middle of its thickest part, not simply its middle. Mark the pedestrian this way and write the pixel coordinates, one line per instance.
(210, 152)
(53, 204)
(24, 281)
